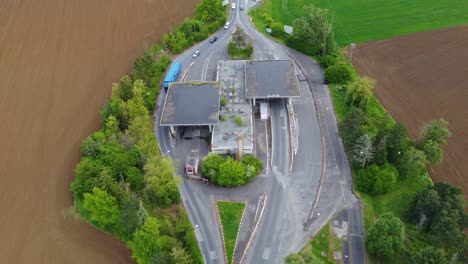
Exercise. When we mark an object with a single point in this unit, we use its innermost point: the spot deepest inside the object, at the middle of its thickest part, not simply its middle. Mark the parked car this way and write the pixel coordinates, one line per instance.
(226, 26)
(233, 5)
(196, 54)
(213, 39)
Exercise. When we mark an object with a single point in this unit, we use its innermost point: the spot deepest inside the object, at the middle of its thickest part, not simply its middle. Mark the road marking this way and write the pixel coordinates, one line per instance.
(213, 254)
(266, 253)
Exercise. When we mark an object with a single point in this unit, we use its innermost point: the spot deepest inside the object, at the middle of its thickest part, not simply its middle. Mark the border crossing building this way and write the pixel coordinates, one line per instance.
(226, 105)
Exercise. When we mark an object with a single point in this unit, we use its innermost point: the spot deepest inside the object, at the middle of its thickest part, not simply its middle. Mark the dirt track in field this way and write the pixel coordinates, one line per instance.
(422, 77)
(57, 62)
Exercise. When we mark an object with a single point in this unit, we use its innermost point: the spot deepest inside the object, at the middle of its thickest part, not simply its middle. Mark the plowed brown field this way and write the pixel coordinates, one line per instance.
(422, 77)
(57, 62)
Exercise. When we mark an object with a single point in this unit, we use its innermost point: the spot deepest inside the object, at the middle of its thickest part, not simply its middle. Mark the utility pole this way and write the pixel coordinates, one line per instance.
(351, 48)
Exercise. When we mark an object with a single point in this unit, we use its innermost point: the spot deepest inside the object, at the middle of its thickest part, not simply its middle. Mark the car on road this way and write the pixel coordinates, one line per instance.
(241, 6)
(226, 26)
(196, 54)
(233, 5)
(213, 39)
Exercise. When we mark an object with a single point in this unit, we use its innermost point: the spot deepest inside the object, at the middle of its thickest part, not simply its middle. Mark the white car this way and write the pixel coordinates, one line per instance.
(196, 54)
(233, 5)
(226, 26)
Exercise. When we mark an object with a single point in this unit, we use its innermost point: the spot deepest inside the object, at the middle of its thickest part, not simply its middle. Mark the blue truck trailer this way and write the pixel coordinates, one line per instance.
(172, 75)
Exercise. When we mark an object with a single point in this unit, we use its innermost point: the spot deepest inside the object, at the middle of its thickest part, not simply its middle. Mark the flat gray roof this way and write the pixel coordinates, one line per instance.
(191, 103)
(225, 134)
(271, 79)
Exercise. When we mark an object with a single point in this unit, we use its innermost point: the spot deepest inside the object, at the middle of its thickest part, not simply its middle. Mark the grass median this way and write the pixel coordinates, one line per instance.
(230, 214)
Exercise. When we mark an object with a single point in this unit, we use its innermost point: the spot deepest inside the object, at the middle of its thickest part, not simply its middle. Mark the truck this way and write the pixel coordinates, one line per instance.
(191, 165)
(172, 75)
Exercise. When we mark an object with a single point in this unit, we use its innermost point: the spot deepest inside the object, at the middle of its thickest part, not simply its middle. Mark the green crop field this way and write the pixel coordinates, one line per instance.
(365, 20)
(230, 214)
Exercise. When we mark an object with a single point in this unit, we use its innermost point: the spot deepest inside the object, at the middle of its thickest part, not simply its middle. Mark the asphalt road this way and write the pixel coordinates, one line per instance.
(293, 196)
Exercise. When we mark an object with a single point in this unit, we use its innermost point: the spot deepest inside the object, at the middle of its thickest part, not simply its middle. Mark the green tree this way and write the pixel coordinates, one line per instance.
(140, 133)
(313, 33)
(424, 207)
(433, 152)
(385, 237)
(360, 91)
(231, 173)
(160, 186)
(277, 29)
(429, 255)
(90, 146)
(436, 131)
(102, 208)
(397, 143)
(135, 178)
(440, 209)
(432, 137)
(129, 215)
(86, 177)
(352, 127)
(339, 73)
(180, 256)
(123, 89)
(376, 180)
(411, 162)
(210, 165)
(363, 150)
(254, 162)
(147, 241)
(210, 11)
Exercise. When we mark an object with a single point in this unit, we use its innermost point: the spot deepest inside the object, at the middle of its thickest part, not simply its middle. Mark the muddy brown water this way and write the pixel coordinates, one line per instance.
(421, 77)
(57, 62)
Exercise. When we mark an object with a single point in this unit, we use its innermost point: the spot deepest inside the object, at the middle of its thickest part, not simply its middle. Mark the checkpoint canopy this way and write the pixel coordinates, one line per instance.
(271, 79)
(191, 104)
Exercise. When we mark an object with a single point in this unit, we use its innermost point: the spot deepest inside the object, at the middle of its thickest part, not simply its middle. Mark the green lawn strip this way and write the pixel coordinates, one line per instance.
(321, 243)
(230, 214)
(363, 20)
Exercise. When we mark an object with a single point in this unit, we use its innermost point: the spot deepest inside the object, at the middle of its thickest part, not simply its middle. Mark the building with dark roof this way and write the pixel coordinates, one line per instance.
(191, 104)
(271, 79)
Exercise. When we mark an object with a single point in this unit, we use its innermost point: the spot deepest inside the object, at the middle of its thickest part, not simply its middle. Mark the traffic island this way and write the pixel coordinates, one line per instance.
(230, 215)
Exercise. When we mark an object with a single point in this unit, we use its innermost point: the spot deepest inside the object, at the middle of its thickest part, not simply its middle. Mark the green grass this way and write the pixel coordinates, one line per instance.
(365, 20)
(339, 95)
(230, 213)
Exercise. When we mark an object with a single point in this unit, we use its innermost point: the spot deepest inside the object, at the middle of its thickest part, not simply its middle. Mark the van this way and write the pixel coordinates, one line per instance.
(226, 26)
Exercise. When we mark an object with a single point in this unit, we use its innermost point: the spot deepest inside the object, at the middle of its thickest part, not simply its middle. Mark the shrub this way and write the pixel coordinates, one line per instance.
(223, 101)
(329, 60)
(223, 118)
(231, 173)
(238, 120)
(340, 74)
(251, 161)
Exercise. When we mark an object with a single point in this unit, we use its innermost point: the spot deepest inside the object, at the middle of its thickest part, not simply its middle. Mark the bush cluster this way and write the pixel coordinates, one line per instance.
(338, 73)
(122, 177)
(229, 172)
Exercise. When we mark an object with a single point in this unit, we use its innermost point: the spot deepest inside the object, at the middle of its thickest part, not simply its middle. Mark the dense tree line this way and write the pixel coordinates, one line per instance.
(229, 172)
(122, 182)
(209, 16)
